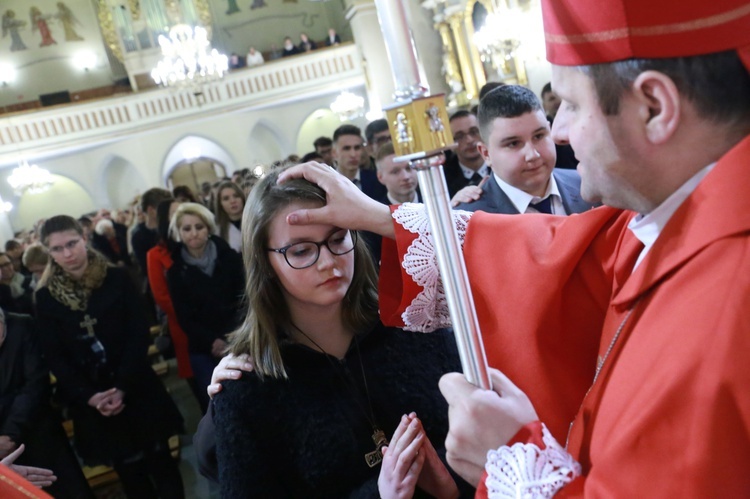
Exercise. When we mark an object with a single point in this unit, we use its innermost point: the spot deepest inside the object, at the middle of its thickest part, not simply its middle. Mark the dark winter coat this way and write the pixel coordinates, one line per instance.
(207, 307)
(24, 379)
(150, 414)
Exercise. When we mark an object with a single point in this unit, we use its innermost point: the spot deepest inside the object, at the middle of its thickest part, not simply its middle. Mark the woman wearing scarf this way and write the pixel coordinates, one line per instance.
(206, 282)
(95, 337)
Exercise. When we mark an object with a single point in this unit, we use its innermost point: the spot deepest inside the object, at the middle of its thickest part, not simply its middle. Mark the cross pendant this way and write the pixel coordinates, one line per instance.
(376, 457)
(88, 324)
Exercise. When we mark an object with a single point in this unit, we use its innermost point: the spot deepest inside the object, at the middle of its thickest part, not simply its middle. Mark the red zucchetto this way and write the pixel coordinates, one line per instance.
(581, 32)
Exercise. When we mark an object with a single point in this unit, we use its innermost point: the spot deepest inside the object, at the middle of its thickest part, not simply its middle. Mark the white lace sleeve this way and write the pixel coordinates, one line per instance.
(526, 471)
(429, 310)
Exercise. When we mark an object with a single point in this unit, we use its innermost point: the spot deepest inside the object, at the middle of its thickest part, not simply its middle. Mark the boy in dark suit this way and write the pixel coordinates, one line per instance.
(518, 146)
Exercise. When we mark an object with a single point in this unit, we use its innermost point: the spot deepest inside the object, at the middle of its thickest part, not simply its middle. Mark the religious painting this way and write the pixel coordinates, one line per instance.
(68, 20)
(11, 26)
(232, 8)
(39, 24)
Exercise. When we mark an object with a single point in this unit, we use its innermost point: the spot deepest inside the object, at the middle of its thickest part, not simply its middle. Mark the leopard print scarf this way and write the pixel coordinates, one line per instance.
(75, 294)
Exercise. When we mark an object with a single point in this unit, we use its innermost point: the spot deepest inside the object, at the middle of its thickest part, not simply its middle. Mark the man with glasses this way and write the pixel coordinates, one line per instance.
(377, 135)
(465, 166)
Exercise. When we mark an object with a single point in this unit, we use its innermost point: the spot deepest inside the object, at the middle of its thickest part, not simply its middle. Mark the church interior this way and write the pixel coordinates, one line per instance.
(78, 101)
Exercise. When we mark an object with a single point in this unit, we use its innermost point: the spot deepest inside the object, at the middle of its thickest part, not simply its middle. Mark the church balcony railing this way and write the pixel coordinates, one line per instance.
(56, 129)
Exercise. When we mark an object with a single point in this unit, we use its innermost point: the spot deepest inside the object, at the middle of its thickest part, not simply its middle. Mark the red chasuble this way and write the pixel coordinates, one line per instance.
(669, 414)
(14, 486)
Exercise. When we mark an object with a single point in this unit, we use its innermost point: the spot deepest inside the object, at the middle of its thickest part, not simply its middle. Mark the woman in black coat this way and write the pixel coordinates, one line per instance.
(95, 338)
(206, 283)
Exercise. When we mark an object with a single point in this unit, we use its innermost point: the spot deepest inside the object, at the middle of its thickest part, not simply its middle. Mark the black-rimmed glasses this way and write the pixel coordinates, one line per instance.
(304, 254)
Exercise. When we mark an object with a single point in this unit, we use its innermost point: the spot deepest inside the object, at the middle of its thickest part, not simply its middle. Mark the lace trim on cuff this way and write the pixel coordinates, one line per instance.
(526, 471)
(429, 310)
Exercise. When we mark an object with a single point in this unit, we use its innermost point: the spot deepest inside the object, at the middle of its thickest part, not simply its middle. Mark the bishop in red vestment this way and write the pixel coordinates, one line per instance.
(621, 333)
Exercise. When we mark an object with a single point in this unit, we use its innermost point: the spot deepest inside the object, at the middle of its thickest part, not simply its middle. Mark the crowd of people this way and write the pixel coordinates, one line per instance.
(612, 299)
(95, 284)
(288, 47)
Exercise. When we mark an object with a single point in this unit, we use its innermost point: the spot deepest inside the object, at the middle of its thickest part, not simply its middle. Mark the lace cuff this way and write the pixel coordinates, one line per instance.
(526, 471)
(429, 310)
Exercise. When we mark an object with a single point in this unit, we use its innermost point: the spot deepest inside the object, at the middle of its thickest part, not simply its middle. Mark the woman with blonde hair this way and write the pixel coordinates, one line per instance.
(206, 283)
(331, 384)
(229, 203)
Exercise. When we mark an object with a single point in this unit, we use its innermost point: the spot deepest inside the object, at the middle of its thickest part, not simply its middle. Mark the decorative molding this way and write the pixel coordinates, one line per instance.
(308, 21)
(74, 126)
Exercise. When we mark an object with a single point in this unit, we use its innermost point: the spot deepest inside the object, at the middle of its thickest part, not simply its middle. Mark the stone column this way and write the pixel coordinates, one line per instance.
(363, 19)
(408, 75)
(456, 22)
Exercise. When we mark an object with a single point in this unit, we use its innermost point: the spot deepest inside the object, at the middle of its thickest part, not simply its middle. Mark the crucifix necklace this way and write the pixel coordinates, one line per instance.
(88, 324)
(374, 457)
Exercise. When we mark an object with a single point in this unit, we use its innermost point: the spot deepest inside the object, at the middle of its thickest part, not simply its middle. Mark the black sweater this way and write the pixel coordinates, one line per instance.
(307, 436)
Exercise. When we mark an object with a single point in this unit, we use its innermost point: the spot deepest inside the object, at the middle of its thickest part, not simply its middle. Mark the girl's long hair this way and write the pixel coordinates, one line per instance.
(267, 323)
(222, 219)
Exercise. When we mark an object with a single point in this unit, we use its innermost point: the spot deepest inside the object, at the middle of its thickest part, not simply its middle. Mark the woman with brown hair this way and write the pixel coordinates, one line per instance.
(229, 203)
(331, 384)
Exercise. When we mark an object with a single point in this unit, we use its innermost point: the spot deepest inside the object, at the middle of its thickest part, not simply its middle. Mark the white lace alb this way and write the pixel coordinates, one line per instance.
(429, 310)
(524, 471)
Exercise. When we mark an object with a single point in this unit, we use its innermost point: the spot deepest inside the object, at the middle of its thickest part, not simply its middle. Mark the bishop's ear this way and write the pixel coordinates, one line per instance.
(660, 104)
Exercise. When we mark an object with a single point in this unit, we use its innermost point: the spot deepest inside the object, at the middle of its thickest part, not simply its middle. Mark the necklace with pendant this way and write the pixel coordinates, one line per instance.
(374, 457)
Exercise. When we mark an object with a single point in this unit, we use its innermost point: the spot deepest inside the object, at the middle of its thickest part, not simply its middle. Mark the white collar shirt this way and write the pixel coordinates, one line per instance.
(523, 200)
(483, 170)
(646, 228)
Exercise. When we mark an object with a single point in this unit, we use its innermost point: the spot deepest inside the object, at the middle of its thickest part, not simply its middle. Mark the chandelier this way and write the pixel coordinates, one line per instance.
(348, 106)
(30, 178)
(188, 59)
(498, 37)
(509, 34)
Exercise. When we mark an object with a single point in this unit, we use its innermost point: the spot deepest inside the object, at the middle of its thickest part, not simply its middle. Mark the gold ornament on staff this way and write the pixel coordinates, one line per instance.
(421, 135)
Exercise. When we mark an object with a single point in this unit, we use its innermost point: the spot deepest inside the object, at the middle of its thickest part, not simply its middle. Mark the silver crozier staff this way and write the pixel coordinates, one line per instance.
(418, 126)
(420, 136)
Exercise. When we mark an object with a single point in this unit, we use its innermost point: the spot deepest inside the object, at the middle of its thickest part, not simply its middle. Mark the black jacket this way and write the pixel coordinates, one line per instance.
(454, 175)
(24, 379)
(150, 414)
(143, 239)
(207, 307)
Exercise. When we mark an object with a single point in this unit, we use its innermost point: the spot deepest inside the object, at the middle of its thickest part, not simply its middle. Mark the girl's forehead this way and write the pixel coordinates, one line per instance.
(279, 228)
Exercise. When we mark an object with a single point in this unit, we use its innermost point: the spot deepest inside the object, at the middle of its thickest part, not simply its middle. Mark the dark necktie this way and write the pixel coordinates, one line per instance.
(358, 183)
(475, 179)
(543, 206)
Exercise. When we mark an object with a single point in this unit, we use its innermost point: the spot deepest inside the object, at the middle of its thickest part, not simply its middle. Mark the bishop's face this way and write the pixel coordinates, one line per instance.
(607, 147)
